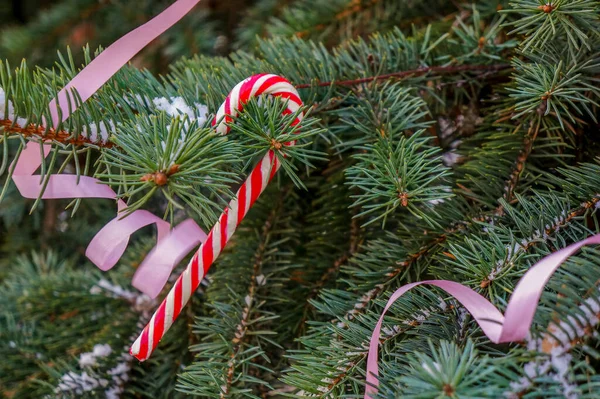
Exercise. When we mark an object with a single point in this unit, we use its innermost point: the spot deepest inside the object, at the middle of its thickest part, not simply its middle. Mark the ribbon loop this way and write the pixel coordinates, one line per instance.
(155, 270)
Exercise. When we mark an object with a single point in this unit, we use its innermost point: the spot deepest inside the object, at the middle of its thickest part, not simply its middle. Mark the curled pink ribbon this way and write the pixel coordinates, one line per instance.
(110, 243)
(513, 326)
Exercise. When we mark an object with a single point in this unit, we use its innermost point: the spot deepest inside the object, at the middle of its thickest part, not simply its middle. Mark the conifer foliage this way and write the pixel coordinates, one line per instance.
(443, 139)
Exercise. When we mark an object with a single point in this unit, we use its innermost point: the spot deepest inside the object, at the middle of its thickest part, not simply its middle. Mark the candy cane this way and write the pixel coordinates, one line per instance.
(222, 231)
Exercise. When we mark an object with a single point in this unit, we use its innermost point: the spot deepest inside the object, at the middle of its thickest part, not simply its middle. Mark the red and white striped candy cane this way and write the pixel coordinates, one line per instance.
(222, 231)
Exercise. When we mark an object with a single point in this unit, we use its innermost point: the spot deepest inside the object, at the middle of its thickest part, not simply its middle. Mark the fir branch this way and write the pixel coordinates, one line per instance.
(362, 306)
(449, 67)
(547, 86)
(435, 244)
(352, 8)
(540, 23)
(407, 173)
(447, 370)
(238, 350)
(262, 127)
(481, 37)
(65, 137)
(549, 343)
(339, 20)
(550, 354)
(402, 267)
(175, 157)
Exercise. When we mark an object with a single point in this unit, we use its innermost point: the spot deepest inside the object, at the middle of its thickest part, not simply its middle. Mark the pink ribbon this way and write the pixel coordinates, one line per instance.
(110, 243)
(512, 326)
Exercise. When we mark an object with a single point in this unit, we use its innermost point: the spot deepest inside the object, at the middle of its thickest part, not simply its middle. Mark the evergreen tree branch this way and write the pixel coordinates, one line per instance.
(342, 374)
(64, 137)
(503, 114)
(355, 358)
(239, 340)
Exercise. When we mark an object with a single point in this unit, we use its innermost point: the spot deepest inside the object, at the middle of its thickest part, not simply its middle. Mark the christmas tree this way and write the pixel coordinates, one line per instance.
(441, 140)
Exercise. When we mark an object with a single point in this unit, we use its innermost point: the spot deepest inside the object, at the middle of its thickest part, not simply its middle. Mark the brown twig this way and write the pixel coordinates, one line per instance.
(549, 343)
(412, 72)
(337, 264)
(242, 327)
(39, 131)
(515, 175)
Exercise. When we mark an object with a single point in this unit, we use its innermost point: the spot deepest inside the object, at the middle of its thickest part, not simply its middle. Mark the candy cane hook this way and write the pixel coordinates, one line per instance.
(231, 217)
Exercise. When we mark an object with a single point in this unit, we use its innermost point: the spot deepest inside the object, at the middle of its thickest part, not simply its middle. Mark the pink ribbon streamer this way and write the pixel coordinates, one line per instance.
(511, 327)
(110, 243)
